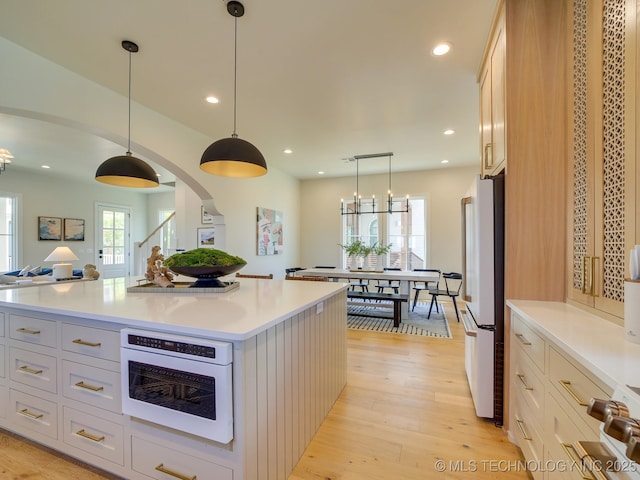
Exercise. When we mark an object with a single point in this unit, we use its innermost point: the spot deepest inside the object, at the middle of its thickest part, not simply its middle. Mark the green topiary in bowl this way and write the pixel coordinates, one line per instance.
(205, 264)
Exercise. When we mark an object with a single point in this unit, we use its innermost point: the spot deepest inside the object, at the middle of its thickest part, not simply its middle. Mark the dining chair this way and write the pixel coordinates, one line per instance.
(422, 286)
(451, 290)
(392, 284)
(242, 275)
(361, 283)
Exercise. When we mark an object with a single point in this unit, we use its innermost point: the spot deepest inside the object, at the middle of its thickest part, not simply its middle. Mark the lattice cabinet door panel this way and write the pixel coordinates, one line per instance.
(602, 151)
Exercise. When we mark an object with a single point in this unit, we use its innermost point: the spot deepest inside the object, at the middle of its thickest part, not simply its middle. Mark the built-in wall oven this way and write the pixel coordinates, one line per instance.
(180, 382)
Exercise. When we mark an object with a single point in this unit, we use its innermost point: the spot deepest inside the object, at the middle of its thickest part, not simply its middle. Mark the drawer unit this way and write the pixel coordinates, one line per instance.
(93, 435)
(94, 386)
(563, 430)
(527, 380)
(34, 369)
(526, 429)
(162, 463)
(33, 330)
(575, 387)
(95, 342)
(532, 343)
(27, 412)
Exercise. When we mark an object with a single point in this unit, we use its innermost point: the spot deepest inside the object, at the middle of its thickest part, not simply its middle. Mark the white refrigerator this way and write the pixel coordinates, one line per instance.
(483, 267)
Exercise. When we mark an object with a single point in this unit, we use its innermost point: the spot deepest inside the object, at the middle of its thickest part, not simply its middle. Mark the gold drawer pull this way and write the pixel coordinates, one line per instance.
(568, 448)
(521, 377)
(79, 341)
(28, 331)
(161, 468)
(525, 435)
(565, 384)
(27, 413)
(25, 368)
(84, 434)
(523, 340)
(81, 384)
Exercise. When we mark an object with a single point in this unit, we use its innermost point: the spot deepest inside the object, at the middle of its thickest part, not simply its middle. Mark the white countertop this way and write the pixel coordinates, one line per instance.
(235, 315)
(598, 344)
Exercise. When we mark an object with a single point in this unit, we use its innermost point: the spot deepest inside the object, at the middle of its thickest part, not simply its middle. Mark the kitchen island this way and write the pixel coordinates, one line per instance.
(60, 373)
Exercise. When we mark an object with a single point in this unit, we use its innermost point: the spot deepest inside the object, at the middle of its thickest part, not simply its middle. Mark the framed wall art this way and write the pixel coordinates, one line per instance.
(205, 217)
(206, 237)
(74, 229)
(49, 228)
(269, 232)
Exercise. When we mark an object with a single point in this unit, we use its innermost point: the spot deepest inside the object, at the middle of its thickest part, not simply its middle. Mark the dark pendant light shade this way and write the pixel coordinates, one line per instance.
(234, 157)
(127, 170)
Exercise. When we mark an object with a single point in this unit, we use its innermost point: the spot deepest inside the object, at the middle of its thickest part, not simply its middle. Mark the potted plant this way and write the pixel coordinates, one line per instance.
(353, 251)
(380, 250)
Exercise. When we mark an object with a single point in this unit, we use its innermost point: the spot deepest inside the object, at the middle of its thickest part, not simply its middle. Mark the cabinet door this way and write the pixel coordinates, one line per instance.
(602, 208)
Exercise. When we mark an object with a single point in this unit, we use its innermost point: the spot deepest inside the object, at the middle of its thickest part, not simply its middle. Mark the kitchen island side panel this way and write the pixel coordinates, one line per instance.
(293, 374)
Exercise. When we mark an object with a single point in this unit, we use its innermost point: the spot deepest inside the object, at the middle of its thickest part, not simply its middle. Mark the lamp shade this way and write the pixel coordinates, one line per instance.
(61, 254)
(233, 157)
(127, 171)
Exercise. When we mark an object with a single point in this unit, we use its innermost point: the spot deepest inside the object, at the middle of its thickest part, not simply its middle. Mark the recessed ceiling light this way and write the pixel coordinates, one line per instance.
(321, 173)
(45, 166)
(441, 49)
(211, 99)
(444, 161)
(449, 132)
(288, 150)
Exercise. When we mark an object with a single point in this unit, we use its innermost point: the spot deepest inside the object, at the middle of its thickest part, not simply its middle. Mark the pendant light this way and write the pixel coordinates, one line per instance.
(127, 170)
(234, 157)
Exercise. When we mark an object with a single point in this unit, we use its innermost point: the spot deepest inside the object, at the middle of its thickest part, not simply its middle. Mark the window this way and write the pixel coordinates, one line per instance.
(8, 232)
(406, 232)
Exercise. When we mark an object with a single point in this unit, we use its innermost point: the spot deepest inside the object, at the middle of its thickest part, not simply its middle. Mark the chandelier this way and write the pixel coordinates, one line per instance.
(369, 206)
(5, 158)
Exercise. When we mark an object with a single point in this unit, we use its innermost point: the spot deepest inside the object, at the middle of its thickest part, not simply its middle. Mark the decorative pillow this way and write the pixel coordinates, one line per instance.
(35, 271)
(25, 271)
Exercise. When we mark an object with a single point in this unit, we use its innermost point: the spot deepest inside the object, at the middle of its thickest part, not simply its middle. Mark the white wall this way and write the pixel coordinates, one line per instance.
(35, 87)
(444, 188)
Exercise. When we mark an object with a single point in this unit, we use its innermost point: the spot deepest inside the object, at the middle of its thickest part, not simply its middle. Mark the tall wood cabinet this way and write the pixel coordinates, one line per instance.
(602, 151)
(492, 99)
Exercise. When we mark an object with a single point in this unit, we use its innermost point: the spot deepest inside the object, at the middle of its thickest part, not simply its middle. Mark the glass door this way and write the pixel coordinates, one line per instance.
(113, 250)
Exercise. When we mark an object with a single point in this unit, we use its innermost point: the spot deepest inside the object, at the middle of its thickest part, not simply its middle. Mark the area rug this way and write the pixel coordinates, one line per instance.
(416, 324)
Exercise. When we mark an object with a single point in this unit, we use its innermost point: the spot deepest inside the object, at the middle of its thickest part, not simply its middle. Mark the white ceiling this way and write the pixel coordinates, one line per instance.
(327, 79)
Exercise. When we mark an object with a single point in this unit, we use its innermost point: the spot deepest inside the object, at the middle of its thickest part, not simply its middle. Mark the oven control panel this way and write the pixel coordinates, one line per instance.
(212, 351)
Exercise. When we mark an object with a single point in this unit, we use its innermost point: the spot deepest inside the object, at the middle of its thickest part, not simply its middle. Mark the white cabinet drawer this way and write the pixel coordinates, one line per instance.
(563, 431)
(33, 330)
(528, 436)
(4, 400)
(2, 371)
(575, 387)
(92, 341)
(34, 414)
(163, 463)
(532, 343)
(34, 369)
(527, 380)
(93, 435)
(91, 385)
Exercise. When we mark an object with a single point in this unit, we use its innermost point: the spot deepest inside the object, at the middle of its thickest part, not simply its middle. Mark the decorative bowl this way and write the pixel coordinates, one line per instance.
(207, 275)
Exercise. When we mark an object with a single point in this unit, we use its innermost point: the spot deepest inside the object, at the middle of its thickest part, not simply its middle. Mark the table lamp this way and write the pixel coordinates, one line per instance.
(62, 270)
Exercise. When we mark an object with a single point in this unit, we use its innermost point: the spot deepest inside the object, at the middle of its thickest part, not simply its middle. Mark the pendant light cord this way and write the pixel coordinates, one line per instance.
(235, 74)
(129, 134)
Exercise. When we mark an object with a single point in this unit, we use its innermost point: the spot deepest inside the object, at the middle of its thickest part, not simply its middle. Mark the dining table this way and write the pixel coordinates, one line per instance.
(403, 277)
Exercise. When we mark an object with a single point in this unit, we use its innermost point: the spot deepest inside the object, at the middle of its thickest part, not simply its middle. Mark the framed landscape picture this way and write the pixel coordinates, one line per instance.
(206, 237)
(74, 229)
(49, 228)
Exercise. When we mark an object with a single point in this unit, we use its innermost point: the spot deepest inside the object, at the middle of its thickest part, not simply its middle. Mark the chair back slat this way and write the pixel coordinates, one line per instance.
(245, 275)
(307, 278)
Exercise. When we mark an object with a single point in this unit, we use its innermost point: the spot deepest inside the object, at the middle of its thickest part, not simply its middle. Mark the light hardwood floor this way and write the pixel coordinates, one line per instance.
(406, 407)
